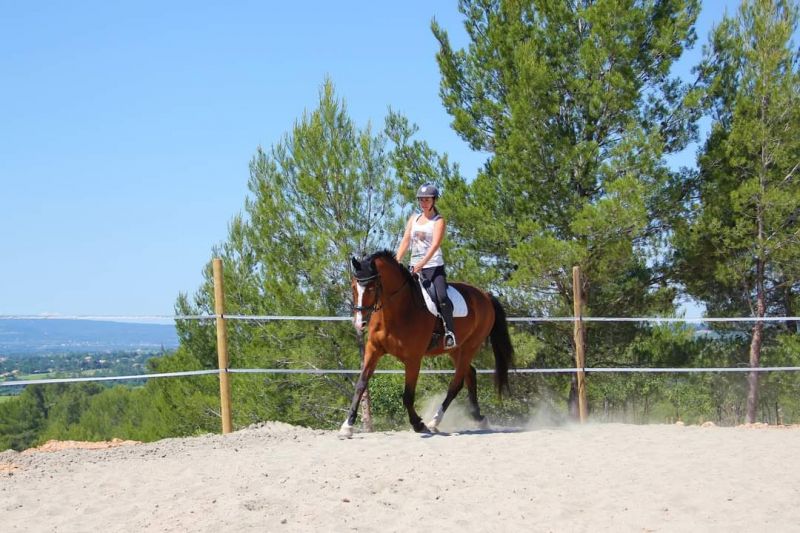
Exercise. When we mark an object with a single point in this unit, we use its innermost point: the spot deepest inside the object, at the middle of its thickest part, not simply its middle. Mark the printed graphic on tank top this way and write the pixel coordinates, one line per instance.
(421, 242)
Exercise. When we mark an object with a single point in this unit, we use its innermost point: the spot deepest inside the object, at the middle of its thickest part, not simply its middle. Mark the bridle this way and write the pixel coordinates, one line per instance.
(378, 304)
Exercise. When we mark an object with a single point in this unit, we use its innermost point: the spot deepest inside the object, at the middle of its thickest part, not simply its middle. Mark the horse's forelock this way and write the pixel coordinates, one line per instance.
(365, 269)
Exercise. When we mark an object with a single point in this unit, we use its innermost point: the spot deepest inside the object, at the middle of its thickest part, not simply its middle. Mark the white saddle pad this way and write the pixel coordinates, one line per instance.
(459, 304)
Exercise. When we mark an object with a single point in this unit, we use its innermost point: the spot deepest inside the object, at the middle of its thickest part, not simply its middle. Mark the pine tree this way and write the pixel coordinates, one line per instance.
(575, 108)
(326, 192)
(740, 250)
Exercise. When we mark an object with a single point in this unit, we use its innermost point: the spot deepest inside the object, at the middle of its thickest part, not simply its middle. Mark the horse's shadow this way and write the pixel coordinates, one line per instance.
(465, 432)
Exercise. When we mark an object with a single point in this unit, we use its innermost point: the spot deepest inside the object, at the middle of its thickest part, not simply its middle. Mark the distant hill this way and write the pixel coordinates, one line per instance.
(48, 336)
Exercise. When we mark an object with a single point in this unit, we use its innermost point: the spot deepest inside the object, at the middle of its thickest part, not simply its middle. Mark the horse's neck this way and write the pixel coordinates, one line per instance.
(398, 297)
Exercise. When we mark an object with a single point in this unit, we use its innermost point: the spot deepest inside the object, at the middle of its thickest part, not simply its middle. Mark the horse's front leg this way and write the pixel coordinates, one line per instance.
(371, 357)
(347, 426)
(412, 374)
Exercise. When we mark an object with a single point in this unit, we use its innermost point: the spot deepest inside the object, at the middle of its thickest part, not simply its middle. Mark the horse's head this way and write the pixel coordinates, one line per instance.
(370, 275)
(366, 286)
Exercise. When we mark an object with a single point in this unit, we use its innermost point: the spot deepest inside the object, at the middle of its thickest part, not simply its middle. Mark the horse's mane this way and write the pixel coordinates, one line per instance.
(388, 255)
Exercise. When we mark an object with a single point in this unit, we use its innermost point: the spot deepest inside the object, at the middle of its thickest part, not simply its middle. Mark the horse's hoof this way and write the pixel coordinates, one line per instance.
(484, 423)
(433, 425)
(421, 428)
(345, 432)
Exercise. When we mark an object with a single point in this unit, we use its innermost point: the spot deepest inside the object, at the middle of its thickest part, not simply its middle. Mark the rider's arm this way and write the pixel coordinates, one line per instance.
(438, 235)
(404, 242)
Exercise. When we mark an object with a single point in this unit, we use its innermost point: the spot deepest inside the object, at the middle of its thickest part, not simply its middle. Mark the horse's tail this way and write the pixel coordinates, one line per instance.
(501, 345)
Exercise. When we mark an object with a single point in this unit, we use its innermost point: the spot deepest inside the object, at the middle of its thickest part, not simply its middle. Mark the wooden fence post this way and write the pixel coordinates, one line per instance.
(222, 349)
(578, 333)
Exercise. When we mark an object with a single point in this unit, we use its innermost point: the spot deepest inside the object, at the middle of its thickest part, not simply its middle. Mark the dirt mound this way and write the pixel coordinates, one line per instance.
(762, 425)
(58, 445)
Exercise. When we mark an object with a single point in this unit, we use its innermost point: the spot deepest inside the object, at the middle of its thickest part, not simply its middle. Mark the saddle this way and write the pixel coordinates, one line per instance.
(456, 298)
(429, 301)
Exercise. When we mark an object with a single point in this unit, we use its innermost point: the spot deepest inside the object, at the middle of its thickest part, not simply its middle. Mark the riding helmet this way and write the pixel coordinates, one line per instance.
(428, 191)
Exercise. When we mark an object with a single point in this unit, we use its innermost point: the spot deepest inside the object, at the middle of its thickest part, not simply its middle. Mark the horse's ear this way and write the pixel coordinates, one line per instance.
(355, 263)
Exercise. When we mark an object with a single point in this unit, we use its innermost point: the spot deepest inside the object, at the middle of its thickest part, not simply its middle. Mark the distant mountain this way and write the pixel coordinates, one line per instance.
(48, 336)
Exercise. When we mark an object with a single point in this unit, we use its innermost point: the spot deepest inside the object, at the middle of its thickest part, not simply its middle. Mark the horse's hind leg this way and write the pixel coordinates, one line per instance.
(472, 393)
(452, 390)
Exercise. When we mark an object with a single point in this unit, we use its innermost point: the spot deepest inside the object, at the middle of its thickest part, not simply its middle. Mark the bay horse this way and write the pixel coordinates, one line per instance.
(388, 299)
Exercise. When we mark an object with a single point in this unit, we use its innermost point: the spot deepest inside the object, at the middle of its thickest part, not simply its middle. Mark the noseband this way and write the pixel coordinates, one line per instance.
(369, 309)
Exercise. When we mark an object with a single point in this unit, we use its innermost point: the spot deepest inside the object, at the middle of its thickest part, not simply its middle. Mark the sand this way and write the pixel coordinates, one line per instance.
(277, 477)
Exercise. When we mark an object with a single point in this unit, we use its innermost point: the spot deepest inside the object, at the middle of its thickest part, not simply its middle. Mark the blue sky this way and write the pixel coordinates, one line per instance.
(126, 128)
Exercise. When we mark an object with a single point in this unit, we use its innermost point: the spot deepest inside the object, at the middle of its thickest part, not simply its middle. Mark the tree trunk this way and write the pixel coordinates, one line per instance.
(789, 306)
(572, 399)
(755, 344)
(752, 378)
(760, 310)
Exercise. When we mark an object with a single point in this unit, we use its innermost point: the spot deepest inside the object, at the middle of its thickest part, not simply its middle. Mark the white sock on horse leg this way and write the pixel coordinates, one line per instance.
(346, 430)
(436, 418)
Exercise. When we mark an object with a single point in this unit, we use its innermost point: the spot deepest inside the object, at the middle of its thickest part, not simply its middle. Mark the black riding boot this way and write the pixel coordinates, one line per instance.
(446, 309)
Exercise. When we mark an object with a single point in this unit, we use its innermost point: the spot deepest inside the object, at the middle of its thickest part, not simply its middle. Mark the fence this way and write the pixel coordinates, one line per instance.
(224, 371)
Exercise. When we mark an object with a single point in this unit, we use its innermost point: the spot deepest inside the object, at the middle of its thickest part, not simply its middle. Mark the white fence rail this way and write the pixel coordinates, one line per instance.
(269, 318)
(588, 370)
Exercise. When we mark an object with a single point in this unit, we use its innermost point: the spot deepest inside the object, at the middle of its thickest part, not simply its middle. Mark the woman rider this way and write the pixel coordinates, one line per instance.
(425, 232)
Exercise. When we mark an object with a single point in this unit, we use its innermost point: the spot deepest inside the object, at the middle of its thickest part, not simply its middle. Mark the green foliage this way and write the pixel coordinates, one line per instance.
(326, 192)
(64, 404)
(575, 108)
(22, 419)
(386, 399)
(739, 248)
(185, 405)
(742, 232)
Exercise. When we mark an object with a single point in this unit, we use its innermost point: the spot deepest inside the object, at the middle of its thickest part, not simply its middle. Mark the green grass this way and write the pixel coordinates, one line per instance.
(6, 398)
(34, 377)
(58, 375)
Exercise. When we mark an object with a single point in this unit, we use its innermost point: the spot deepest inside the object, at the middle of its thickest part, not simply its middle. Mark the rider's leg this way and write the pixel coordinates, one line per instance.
(445, 306)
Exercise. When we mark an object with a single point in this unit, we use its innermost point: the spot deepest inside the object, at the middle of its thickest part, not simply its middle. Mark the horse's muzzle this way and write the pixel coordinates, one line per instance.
(359, 323)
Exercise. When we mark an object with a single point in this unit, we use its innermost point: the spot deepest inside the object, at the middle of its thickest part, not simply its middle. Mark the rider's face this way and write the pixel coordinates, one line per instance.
(425, 202)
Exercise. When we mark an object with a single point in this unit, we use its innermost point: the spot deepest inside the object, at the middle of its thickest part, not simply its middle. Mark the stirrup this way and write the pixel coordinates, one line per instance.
(449, 340)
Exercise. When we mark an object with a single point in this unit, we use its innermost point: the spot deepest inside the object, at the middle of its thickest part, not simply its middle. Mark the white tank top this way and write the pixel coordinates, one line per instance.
(421, 241)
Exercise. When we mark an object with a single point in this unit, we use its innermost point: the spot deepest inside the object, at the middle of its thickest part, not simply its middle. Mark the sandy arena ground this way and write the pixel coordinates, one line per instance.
(276, 477)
